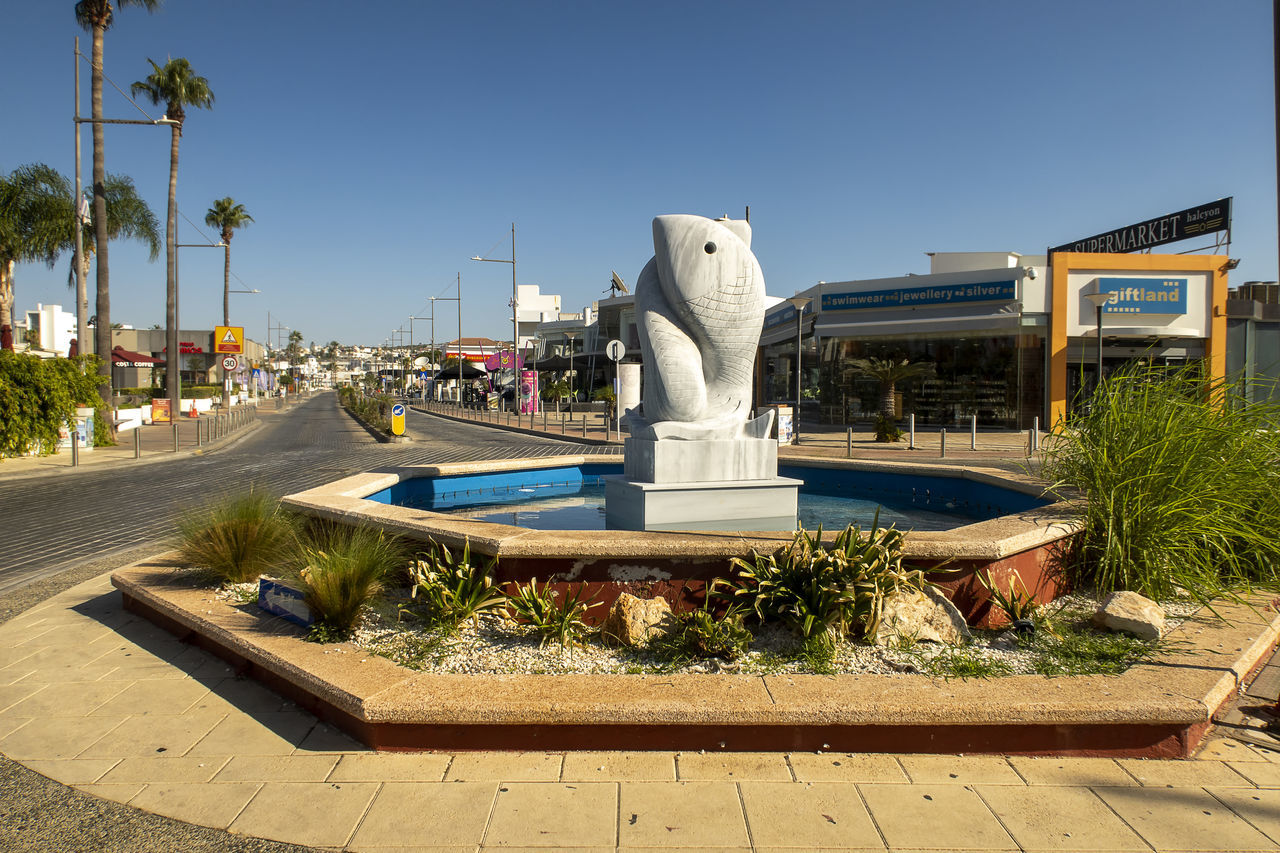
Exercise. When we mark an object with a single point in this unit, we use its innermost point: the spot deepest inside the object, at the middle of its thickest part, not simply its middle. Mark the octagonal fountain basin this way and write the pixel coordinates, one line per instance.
(544, 518)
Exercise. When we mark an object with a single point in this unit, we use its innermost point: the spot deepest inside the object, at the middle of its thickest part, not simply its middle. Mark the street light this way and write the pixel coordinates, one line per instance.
(515, 299)
(573, 396)
(799, 303)
(1099, 298)
(457, 299)
(173, 374)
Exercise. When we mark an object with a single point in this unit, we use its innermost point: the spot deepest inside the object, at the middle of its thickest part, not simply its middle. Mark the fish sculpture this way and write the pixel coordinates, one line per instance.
(699, 311)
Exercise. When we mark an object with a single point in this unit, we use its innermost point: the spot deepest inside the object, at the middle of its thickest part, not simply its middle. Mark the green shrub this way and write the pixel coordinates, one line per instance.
(450, 591)
(238, 537)
(1176, 481)
(341, 568)
(887, 430)
(827, 593)
(704, 635)
(374, 410)
(39, 396)
(551, 618)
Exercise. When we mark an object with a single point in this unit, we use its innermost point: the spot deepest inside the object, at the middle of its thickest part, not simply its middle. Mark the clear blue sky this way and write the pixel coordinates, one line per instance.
(380, 145)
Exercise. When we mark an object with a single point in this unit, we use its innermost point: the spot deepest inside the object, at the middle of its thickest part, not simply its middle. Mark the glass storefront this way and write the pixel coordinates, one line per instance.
(998, 376)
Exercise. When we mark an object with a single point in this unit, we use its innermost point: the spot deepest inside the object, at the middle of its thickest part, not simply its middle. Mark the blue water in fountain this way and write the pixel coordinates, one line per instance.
(572, 498)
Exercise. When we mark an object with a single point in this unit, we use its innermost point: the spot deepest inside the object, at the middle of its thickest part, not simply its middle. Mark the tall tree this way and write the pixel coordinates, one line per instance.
(177, 87)
(96, 16)
(33, 204)
(226, 215)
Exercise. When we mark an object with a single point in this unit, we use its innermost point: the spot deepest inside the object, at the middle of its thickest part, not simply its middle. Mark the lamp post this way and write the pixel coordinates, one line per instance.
(799, 303)
(457, 299)
(253, 386)
(173, 375)
(515, 300)
(1098, 299)
(569, 336)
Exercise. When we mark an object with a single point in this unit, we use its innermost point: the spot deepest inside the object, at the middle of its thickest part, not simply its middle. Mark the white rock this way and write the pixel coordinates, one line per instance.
(636, 621)
(927, 615)
(1131, 613)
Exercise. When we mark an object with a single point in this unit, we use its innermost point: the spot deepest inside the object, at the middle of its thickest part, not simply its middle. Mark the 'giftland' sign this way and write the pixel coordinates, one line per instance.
(911, 297)
(1144, 295)
(1170, 228)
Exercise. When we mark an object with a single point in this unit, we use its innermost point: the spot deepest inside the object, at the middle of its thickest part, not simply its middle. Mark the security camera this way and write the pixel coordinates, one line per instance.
(1031, 273)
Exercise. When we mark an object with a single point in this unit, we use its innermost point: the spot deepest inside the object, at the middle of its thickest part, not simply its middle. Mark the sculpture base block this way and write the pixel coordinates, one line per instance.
(762, 504)
(673, 461)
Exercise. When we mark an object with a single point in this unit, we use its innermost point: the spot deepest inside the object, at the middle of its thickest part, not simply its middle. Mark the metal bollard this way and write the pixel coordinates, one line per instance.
(584, 426)
(197, 432)
(564, 425)
(175, 436)
(973, 432)
(1035, 427)
(137, 442)
(911, 443)
(943, 446)
(75, 448)
(544, 420)
(848, 442)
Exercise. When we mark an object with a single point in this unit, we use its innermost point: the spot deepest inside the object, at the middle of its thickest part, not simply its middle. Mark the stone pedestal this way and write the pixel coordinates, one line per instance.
(667, 461)
(758, 504)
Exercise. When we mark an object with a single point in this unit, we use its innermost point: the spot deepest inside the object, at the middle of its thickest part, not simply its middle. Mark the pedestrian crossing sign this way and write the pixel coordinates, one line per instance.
(228, 340)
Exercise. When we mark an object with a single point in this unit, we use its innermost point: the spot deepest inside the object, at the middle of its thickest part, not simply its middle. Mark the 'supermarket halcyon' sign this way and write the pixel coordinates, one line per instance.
(910, 297)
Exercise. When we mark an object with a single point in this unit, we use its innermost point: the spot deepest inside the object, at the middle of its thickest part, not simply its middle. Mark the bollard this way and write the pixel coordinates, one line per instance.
(564, 425)
(544, 420)
(1031, 442)
(1035, 431)
(175, 436)
(584, 426)
(137, 442)
(848, 442)
(75, 448)
(197, 432)
(943, 446)
(911, 443)
(973, 432)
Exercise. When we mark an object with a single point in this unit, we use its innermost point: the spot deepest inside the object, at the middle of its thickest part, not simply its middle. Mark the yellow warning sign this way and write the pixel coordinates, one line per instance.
(228, 339)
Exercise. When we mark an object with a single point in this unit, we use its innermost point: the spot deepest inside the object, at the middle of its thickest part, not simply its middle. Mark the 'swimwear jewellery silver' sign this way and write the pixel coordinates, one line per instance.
(1170, 228)
(910, 297)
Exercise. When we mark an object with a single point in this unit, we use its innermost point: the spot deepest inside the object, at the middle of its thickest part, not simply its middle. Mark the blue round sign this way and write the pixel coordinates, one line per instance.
(397, 411)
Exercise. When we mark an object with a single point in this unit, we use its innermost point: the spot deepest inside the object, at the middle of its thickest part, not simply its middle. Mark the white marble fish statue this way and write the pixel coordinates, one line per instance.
(699, 310)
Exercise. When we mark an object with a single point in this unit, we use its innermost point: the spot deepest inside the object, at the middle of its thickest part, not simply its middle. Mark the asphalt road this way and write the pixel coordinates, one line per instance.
(59, 531)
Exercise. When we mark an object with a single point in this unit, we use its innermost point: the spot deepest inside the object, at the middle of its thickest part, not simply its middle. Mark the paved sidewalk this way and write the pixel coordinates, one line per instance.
(99, 699)
(154, 443)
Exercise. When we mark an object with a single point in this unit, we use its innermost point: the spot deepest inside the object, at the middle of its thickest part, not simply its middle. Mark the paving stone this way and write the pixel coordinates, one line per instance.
(1229, 749)
(1054, 818)
(505, 767)
(313, 814)
(443, 814)
(619, 766)
(681, 814)
(215, 805)
(1183, 819)
(947, 817)
(277, 768)
(554, 814)
(1157, 773)
(155, 735)
(391, 767)
(324, 738)
(1085, 772)
(276, 733)
(808, 815)
(119, 793)
(167, 770)
(1264, 774)
(839, 767)
(1266, 686)
(732, 766)
(12, 694)
(73, 771)
(66, 700)
(1259, 808)
(241, 695)
(952, 770)
(56, 737)
(153, 697)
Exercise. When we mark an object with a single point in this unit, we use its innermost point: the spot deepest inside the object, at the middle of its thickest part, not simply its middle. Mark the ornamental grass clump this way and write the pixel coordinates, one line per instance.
(342, 568)
(1177, 480)
(238, 537)
(449, 590)
(551, 615)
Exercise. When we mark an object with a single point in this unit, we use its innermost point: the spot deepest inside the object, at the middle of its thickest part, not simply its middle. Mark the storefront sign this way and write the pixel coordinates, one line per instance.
(189, 347)
(1170, 228)
(911, 297)
(786, 313)
(1144, 295)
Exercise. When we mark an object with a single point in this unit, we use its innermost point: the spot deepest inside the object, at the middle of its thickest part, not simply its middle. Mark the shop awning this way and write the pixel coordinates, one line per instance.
(121, 357)
(469, 371)
(1110, 331)
(834, 328)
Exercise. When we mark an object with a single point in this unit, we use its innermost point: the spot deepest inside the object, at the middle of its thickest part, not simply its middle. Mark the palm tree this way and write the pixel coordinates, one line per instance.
(226, 215)
(177, 87)
(96, 16)
(33, 200)
(889, 372)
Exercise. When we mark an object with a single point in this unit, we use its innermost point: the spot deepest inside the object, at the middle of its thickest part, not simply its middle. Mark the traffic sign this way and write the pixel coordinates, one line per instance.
(230, 362)
(615, 349)
(397, 419)
(228, 339)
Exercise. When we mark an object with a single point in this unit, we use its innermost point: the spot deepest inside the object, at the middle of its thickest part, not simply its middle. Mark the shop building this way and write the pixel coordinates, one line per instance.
(1012, 338)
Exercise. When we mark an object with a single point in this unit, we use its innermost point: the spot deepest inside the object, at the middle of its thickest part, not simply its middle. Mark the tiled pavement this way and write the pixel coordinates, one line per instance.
(96, 698)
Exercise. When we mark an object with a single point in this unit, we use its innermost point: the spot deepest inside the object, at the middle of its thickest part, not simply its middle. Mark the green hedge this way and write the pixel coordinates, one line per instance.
(375, 411)
(39, 396)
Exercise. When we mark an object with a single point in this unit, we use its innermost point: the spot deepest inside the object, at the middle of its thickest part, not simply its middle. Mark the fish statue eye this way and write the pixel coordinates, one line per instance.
(710, 248)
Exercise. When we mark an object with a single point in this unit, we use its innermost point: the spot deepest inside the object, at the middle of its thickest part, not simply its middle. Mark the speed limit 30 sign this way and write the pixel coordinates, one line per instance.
(230, 362)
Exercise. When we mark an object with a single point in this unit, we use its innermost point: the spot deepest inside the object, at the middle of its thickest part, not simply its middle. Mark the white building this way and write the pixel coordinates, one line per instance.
(51, 329)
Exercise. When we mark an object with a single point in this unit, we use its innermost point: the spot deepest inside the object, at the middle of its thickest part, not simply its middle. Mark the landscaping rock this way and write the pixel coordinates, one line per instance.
(636, 621)
(1131, 613)
(927, 615)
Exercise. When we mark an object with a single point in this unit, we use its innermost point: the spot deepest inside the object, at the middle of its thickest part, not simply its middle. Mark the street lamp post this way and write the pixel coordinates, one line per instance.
(799, 303)
(457, 299)
(515, 298)
(1099, 298)
(173, 375)
(573, 394)
(253, 386)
